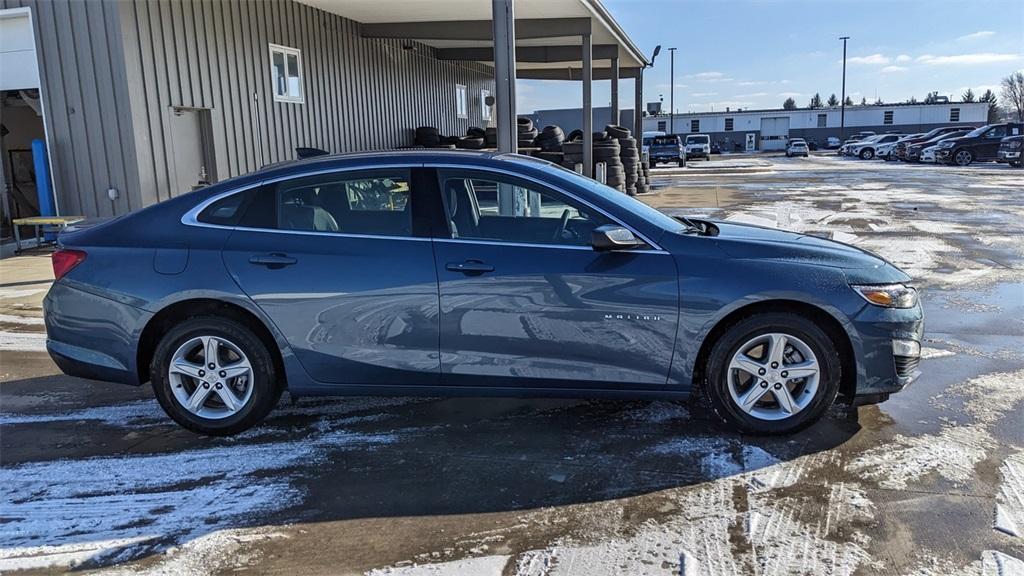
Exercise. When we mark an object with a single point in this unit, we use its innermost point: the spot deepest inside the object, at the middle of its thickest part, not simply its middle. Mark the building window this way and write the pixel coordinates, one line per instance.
(954, 114)
(484, 95)
(286, 73)
(662, 125)
(728, 124)
(887, 118)
(695, 125)
(822, 120)
(461, 101)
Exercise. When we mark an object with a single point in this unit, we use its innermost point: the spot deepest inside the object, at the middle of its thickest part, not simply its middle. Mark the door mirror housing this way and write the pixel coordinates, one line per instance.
(611, 237)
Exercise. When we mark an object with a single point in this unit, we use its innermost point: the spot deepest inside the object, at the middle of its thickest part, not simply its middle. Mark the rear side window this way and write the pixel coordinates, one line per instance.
(370, 203)
(226, 211)
(252, 208)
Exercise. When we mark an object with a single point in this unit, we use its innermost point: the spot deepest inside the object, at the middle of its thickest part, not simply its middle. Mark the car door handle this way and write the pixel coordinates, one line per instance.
(470, 267)
(275, 260)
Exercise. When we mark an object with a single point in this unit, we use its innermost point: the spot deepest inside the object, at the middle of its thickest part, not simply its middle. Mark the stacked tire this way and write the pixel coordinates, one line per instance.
(629, 156)
(608, 150)
(428, 137)
(643, 183)
(527, 132)
(550, 139)
(473, 140)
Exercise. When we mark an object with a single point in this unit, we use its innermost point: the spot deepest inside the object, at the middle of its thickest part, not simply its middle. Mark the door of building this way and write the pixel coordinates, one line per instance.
(774, 133)
(191, 150)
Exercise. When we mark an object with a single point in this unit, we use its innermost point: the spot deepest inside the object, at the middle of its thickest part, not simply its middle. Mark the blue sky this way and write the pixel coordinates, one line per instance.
(755, 54)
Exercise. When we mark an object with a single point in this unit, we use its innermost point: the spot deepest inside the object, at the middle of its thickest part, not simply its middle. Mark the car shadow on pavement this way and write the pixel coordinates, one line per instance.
(123, 473)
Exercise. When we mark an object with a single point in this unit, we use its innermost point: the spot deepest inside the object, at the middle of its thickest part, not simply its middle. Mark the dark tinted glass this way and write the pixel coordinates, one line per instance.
(226, 211)
(261, 211)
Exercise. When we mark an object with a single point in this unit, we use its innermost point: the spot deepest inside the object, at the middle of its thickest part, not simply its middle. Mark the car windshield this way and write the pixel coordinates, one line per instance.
(697, 139)
(666, 141)
(977, 132)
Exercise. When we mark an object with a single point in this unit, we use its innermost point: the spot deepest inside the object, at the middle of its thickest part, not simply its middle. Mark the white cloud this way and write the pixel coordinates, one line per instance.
(903, 58)
(976, 35)
(665, 86)
(710, 77)
(752, 83)
(894, 69)
(872, 59)
(957, 59)
(703, 94)
(790, 94)
(754, 95)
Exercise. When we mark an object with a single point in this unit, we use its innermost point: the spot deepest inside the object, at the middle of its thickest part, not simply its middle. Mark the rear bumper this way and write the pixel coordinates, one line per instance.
(91, 336)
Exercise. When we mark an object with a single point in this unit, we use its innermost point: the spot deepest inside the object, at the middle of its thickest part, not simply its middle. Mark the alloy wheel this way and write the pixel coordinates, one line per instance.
(211, 377)
(773, 376)
(963, 158)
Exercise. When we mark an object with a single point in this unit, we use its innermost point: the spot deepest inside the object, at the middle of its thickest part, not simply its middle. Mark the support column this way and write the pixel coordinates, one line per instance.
(638, 102)
(588, 108)
(615, 90)
(505, 74)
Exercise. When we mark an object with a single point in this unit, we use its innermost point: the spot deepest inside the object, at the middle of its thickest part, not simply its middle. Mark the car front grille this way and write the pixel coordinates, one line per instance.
(906, 365)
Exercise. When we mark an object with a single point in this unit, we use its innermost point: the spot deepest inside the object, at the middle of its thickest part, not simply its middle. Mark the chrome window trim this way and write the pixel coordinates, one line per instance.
(654, 246)
(555, 246)
(190, 218)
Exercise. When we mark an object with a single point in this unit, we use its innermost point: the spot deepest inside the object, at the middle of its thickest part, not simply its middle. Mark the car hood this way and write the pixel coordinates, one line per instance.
(757, 242)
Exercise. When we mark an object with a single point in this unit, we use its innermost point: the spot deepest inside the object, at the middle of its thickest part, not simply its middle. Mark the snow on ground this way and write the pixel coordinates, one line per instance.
(22, 342)
(1009, 516)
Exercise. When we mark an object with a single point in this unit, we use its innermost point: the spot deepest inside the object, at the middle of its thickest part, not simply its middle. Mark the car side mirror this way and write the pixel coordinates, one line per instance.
(611, 237)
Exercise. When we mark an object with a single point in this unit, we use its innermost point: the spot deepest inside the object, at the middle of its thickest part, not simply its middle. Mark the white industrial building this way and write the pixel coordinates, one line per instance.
(771, 129)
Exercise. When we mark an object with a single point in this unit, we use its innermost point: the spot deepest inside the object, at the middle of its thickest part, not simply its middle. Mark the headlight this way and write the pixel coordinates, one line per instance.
(946, 144)
(888, 295)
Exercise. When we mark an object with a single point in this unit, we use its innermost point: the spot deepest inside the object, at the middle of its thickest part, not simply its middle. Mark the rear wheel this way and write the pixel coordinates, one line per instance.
(963, 157)
(773, 373)
(214, 376)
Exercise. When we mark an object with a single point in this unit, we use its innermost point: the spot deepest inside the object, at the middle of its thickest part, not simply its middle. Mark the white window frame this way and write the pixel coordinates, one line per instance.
(287, 51)
(486, 110)
(461, 101)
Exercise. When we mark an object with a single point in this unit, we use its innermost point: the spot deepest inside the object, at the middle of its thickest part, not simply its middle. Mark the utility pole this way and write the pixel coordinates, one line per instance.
(672, 94)
(842, 103)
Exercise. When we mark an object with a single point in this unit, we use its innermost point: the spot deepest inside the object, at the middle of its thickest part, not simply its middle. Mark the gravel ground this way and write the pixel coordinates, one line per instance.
(95, 478)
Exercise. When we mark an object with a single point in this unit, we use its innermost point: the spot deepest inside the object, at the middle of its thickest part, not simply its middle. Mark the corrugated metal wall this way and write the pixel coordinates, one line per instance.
(360, 93)
(85, 100)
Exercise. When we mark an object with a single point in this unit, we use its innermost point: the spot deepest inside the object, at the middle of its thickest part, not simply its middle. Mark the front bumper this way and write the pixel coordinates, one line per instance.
(1011, 156)
(90, 336)
(944, 156)
(890, 349)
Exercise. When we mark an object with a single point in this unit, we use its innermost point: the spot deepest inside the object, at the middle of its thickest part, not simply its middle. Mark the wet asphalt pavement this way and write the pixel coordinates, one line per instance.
(95, 478)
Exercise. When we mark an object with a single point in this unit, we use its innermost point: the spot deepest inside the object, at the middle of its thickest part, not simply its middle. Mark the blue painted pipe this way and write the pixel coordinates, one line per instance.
(43, 187)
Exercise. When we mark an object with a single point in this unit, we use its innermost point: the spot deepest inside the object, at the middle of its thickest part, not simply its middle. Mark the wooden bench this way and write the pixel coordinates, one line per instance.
(40, 222)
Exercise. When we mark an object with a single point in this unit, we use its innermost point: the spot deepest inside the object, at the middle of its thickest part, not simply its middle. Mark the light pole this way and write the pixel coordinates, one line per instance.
(842, 103)
(672, 93)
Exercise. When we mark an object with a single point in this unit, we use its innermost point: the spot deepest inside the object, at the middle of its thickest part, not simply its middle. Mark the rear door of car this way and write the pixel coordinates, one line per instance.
(987, 147)
(344, 268)
(527, 302)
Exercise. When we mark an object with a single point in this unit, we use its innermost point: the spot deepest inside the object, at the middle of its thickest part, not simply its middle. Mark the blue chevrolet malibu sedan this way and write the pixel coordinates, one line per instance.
(466, 273)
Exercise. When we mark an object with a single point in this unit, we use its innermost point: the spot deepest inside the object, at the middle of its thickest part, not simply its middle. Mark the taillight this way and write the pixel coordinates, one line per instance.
(64, 261)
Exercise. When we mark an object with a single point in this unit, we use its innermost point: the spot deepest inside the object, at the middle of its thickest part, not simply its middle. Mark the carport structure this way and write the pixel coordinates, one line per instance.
(528, 39)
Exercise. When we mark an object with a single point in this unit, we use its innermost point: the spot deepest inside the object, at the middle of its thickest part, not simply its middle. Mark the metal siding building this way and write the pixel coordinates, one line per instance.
(117, 79)
(819, 124)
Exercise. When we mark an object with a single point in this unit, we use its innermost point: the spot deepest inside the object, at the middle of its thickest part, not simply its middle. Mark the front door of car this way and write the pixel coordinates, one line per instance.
(347, 276)
(525, 300)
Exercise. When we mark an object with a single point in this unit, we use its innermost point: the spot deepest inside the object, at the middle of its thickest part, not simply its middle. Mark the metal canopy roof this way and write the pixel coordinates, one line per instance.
(462, 30)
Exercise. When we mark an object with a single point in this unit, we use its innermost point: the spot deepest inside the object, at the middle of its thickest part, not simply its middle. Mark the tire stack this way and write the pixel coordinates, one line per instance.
(629, 156)
(550, 142)
(473, 140)
(643, 183)
(606, 149)
(526, 131)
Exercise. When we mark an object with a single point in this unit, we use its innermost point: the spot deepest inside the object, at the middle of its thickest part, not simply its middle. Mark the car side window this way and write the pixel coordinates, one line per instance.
(377, 203)
(996, 132)
(493, 208)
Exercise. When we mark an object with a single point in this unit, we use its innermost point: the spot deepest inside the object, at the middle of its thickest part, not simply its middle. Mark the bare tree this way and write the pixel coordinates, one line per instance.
(1013, 93)
(789, 104)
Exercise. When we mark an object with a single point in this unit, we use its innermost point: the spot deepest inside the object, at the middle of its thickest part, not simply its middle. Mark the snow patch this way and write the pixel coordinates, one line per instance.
(21, 342)
(481, 566)
(23, 320)
(952, 454)
(1009, 517)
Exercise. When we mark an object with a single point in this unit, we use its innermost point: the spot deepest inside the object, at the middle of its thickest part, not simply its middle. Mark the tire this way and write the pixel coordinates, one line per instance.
(470, 143)
(184, 344)
(524, 124)
(617, 131)
(963, 157)
(725, 386)
(476, 132)
(867, 154)
(575, 135)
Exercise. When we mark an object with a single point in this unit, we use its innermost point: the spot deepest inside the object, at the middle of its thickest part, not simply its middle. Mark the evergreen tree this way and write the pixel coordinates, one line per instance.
(833, 101)
(789, 104)
(993, 105)
(815, 101)
(968, 96)
(849, 101)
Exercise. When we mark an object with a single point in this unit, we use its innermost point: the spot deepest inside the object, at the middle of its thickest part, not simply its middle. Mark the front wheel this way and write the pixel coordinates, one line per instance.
(213, 376)
(867, 154)
(773, 373)
(963, 157)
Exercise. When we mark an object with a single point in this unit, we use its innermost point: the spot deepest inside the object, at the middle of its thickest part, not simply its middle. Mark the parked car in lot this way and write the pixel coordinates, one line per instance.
(980, 145)
(928, 154)
(1010, 150)
(865, 150)
(698, 146)
(832, 143)
(914, 151)
(666, 149)
(407, 272)
(901, 146)
(887, 151)
(797, 147)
